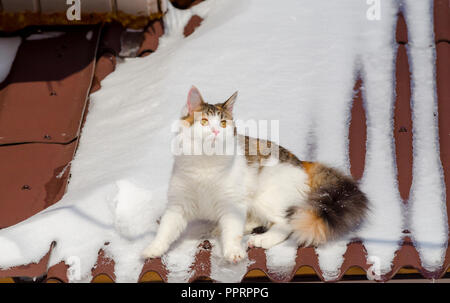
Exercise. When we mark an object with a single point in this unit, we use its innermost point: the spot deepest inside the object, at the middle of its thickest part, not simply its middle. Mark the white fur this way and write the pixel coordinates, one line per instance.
(278, 187)
(226, 190)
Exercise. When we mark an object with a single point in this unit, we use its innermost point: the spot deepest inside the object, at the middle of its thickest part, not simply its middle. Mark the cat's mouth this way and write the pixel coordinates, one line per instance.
(212, 137)
(212, 141)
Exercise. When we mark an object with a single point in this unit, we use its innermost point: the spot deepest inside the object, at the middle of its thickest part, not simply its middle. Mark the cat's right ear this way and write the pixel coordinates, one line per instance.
(194, 100)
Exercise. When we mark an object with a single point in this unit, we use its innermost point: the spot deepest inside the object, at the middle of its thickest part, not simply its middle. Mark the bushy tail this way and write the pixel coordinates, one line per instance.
(335, 206)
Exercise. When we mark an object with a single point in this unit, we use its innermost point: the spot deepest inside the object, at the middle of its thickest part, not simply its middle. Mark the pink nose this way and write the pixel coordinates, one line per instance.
(215, 131)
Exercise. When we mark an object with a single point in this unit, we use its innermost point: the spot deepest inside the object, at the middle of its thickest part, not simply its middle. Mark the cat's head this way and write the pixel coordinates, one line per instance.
(209, 122)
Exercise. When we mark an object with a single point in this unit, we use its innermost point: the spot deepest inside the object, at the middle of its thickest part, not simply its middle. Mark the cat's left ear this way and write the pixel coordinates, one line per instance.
(229, 104)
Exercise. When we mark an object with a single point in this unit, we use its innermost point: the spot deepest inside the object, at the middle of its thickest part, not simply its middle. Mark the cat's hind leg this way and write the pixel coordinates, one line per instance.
(280, 187)
(250, 226)
(251, 223)
(173, 223)
(276, 234)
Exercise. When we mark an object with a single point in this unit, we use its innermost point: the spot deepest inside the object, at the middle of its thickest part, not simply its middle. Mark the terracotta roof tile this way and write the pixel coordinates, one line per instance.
(192, 24)
(28, 270)
(403, 124)
(154, 265)
(104, 266)
(44, 96)
(443, 93)
(442, 20)
(58, 272)
(110, 39)
(43, 101)
(151, 38)
(105, 65)
(401, 34)
(202, 263)
(357, 133)
(33, 177)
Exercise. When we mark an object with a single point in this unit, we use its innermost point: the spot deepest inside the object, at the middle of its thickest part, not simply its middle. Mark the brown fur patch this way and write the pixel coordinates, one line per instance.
(287, 157)
(253, 150)
(258, 150)
(208, 109)
(319, 175)
(189, 118)
(309, 169)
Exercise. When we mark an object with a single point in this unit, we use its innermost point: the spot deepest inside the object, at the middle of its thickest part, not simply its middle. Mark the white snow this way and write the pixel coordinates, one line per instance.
(221, 270)
(89, 35)
(427, 207)
(182, 255)
(8, 50)
(280, 259)
(330, 258)
(45, 35)
(133, 208)
(295, 63)
(383, 230)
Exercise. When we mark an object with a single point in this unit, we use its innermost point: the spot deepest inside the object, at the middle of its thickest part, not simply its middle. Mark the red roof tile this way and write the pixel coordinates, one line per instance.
(28, 270)
(43, 101)
(45, 93)
(443, 93)
(357, 134)
(403, 123)
(151, 38)
(442, 20)
(33, 177)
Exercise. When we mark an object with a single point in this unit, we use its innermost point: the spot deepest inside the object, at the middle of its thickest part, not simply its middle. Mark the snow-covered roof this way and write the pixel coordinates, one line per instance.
(359, 92)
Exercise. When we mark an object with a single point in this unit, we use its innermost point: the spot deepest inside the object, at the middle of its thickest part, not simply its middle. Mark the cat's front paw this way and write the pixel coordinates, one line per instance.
(234, 254)
(153, 251)
(262, 240)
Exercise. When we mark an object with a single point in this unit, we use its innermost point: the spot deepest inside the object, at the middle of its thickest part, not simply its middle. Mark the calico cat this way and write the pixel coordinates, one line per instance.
(250, 187)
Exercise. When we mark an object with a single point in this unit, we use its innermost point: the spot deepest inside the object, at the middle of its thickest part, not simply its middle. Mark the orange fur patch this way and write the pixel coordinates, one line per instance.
(309, 168)
(190, 118)
(319, 175)
(309, 228)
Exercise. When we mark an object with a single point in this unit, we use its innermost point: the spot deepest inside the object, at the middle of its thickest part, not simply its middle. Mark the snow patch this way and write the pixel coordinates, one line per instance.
(45, 35)
(8, 50)
(14, 253)
(280, 259)
(135, 214)
(89, 35)
(181, 256)
(427, 206)
(331, 257)
(223, 271)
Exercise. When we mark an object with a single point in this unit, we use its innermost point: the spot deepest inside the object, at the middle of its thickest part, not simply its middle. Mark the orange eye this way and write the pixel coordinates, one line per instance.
(204, 122)
(223, 123)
